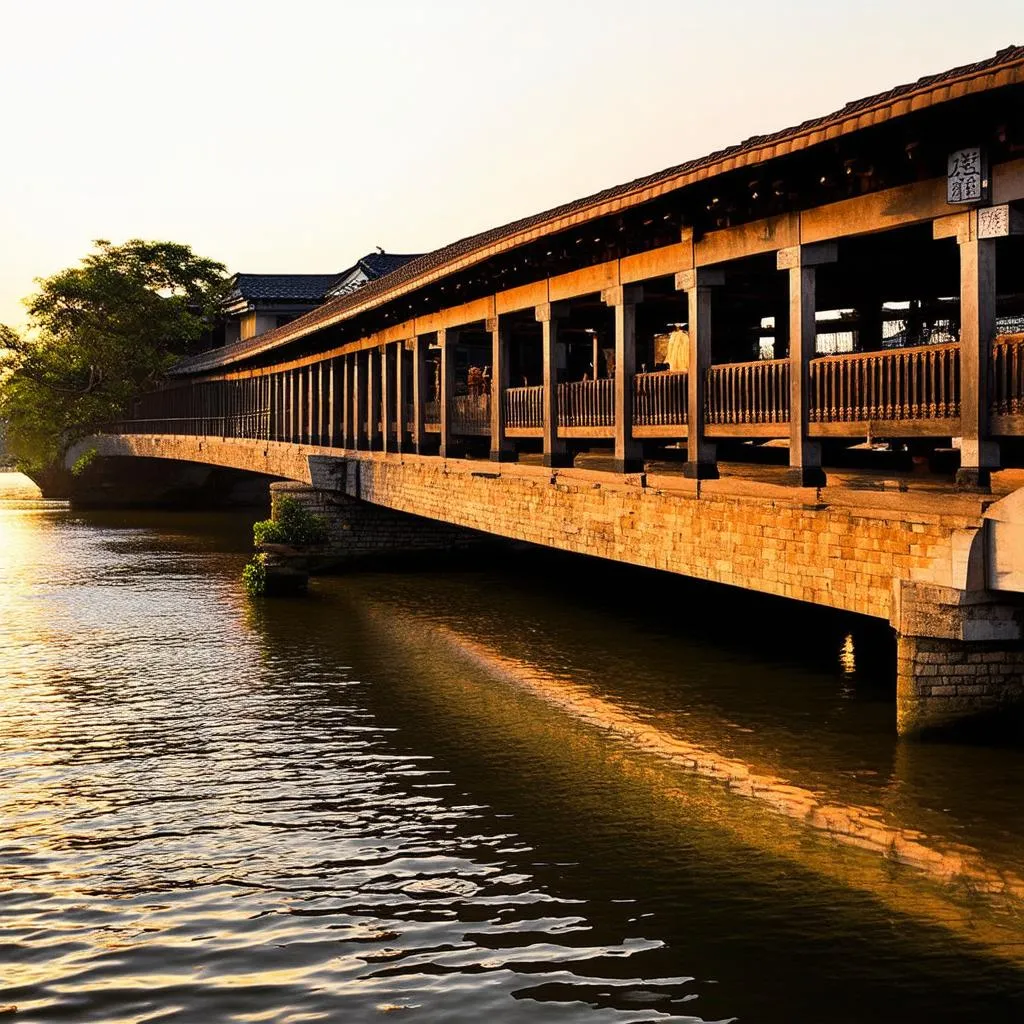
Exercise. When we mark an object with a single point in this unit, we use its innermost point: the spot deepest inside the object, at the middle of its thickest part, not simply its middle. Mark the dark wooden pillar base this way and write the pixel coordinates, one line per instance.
(628, 466)
(558, 460)
(805, 476)
(504, 455)
(974, 478)
(700, 470)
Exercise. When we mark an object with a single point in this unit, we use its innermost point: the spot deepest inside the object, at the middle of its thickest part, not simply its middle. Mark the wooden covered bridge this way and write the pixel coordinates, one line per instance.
(857, 277)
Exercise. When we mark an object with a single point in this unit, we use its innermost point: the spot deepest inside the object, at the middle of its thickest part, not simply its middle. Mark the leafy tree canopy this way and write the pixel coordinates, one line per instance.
(100, 334)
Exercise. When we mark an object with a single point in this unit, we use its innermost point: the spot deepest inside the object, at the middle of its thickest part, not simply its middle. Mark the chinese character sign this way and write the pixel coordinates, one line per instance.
(966, 176)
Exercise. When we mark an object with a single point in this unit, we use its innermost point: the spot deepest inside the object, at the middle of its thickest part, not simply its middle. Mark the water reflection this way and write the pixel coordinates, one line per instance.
(368, 803)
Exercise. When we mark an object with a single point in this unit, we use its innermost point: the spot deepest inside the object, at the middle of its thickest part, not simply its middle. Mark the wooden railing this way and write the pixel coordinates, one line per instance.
(587, 403)
(756, 392)
(432, 411)
(922, 382)
(660, 399)
(524, 407)
(471, 413)
(1008, 375)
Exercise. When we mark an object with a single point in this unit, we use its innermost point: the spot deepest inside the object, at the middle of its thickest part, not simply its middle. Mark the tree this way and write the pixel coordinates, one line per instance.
(100, 334)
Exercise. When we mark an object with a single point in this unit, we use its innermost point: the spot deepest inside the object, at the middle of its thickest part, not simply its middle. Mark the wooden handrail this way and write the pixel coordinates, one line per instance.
(524, 407)
(920, 382)
(752, 392)
(587, 403)
(660, 399)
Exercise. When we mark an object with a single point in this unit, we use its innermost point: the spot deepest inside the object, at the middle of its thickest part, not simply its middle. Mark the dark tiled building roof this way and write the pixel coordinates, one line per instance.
(380, 264)
(1005, 67)
(281, 287)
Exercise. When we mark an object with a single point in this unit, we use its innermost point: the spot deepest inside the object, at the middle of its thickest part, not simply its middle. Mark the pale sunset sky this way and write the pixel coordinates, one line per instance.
(297, 136)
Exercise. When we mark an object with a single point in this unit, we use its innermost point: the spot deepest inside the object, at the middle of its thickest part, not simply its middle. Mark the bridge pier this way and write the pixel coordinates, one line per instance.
(361, 532)
(960, 656)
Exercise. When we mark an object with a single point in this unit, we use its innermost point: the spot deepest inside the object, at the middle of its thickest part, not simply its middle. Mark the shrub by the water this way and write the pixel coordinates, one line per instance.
(254, 575)
(293, 523)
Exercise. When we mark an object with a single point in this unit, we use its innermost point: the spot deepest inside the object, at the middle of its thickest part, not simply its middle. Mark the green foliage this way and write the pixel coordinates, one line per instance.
(292, 523)
(254, 576)
(84, 461)
(100, 334)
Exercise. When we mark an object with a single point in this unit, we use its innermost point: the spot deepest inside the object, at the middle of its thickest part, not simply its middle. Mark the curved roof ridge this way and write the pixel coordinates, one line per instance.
(328, 313)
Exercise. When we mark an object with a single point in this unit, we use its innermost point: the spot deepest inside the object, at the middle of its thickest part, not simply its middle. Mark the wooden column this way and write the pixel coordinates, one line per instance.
(555, 450)
(347, 403)
(400, 396)
(800, 262)
(419, 394)
(446, 341)
(359, 400)
(701, 462)
(311, 405)
(502, 449)
(373, 440)
(979, 453)
(628, 450)
(331, 422)
(387, 402)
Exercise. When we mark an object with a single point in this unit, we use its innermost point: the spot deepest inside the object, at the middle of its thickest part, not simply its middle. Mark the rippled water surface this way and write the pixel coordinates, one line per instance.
(468, 795)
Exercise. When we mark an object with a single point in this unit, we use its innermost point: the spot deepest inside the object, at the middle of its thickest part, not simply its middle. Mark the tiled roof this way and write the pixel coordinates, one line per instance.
(281, 287)
(1005, 67)
(380, 264)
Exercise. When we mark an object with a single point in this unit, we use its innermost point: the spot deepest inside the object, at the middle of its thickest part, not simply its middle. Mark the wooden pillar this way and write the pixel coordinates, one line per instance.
(701, 462)
(310, 405)
(330, 425)
(628, 450)
(358, 400)
(800, 262)
(419, 394)
(447, 340)
(387, 402)
(979, 453)
(401, 397)
(344, 401)
(555, 450)
(372, 399)
(502, 449)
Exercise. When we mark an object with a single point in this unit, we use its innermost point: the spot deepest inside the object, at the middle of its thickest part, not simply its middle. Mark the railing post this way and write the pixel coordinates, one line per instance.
(446, 341)
(628, 450)
(419, 394)
(800, 262)
(701, 462)
(502, 449)
(555, 450)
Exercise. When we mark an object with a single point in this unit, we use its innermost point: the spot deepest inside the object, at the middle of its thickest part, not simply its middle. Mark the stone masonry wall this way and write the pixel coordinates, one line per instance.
(940, 681)
(768, 540)
(360, 531)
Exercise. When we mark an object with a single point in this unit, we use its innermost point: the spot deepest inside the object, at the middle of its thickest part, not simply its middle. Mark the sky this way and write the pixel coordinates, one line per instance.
(297, 136)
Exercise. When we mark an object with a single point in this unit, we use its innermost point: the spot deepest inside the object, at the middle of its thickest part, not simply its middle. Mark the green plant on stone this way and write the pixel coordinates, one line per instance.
(84, 461)
(254, 576)
(292, 523)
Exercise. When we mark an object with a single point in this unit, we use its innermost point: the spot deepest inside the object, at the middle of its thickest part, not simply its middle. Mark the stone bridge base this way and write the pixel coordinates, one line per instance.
(361, 532)
(960, 656)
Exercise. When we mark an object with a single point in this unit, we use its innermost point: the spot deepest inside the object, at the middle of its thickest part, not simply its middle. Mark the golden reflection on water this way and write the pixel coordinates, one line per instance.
(929, 877)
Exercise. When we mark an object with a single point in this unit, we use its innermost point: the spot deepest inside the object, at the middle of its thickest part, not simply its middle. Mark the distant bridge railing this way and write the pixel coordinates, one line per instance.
(897, 392)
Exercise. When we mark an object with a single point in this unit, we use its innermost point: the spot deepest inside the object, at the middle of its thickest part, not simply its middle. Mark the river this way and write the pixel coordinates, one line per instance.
(538, 789)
